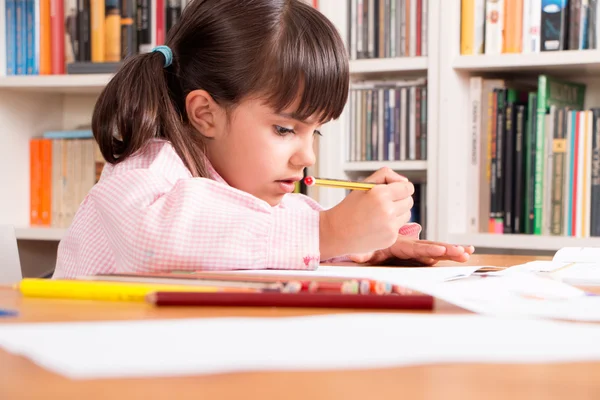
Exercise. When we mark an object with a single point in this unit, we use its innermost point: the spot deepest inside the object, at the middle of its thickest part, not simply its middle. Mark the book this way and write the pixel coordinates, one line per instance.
(315, 300)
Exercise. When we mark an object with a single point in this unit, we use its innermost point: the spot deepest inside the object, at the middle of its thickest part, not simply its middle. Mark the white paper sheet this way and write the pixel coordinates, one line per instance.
(510, 294)
(574, 273)
(341, 341)
(398, 275)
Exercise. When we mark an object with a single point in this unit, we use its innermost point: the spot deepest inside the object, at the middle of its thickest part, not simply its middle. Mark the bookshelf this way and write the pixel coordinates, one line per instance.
(55, 84)
(455, 193)
(333, 146)
(31, 104)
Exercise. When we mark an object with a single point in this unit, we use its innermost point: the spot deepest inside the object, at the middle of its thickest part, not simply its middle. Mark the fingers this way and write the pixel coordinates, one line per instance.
(361, 258)
(385, 175)
(403, 207)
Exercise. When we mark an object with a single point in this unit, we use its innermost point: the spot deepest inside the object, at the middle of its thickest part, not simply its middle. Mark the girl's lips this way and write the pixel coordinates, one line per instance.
(287, 186)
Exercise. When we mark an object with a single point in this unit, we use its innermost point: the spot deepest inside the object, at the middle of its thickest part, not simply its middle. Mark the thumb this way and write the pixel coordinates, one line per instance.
(385, 175)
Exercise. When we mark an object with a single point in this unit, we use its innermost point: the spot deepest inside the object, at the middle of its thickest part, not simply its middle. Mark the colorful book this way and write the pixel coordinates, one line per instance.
(551, 91)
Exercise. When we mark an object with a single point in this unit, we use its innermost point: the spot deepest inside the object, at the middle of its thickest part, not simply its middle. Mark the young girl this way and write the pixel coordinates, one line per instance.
(204, 140)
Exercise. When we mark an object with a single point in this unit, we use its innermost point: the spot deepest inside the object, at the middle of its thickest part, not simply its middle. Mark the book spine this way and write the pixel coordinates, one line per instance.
(11, 36)
(513, 26)
(519, 176)
(526, 23)
(30, 42)
(509, 160)
(98, 33)
(493, 160)
(384, 143)
(174, 14)
(551, 126)
(144, 26)
(595, 189)
(84, 31)
(57, 27)
(71, 39)
(45, 38)
(540, 154)
(35, 182)
(112, 32)
(535, 20)
(159, 8)
(379, 144)
(21, 43)
(494, 24)
(559, 149)
(352, 25)
(393, 125)
(498, 222)
(554, 25)
(587, 175)
(592, 30)
(46, 182)
(467, 27)
(570, 131)
(371, 29)
(474, 163)
(423, 155)
(529, 163)
(574, 28)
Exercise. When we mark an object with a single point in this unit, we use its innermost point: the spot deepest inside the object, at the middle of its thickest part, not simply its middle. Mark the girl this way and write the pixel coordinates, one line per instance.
(204, 140)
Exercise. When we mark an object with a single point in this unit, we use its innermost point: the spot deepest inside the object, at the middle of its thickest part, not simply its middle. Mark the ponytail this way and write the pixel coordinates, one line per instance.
(137, 106)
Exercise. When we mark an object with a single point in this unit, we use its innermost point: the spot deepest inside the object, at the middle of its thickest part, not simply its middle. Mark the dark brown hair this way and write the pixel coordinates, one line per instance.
(276, 50)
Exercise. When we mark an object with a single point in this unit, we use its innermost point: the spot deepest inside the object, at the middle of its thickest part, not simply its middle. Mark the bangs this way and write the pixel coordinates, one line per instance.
(309, 66)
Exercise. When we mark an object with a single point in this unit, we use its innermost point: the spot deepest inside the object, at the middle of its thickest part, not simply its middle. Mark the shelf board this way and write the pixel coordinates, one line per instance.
(381, 65)
(567, 62)
(90, 83)
(40, 233)
(394, 165)
(522, 242)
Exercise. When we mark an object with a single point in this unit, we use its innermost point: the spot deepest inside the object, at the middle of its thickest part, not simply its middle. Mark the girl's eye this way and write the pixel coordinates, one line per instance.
(318, 133)
(281, 131)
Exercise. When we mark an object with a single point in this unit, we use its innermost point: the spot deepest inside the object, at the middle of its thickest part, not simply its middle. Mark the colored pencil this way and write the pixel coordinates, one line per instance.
(286, 283)
(338, 183)
(272, 299)
(107, 291)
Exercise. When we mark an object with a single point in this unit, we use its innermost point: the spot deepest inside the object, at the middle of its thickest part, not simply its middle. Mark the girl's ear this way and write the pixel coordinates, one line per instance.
(204, 113)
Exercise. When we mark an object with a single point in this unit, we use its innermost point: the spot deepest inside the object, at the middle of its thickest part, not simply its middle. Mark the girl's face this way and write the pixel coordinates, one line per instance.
(260, 151)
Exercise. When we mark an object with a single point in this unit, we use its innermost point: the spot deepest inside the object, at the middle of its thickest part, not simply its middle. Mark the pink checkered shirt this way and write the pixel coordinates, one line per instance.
(149, 214)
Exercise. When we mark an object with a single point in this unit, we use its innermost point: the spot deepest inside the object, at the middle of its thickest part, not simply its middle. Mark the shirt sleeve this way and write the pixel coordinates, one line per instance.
(199, 223)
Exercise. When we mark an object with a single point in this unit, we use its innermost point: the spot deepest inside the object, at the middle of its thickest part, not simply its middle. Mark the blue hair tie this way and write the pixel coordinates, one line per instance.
(166, 51)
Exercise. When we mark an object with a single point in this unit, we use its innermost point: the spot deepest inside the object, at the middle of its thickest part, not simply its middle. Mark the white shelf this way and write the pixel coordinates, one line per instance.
(555, 62)
(522, 242)
(388, 65)
(394, 165)
(40, 233)
(91, 83)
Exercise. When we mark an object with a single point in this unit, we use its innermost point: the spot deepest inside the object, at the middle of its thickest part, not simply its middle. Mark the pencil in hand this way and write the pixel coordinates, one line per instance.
(338, 183)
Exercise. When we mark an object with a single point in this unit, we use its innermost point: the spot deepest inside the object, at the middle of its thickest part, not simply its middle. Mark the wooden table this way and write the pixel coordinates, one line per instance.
(21, 379)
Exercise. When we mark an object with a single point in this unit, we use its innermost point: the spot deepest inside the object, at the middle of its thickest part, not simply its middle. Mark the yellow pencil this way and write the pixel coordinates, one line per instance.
(103, 290)
(338, 183)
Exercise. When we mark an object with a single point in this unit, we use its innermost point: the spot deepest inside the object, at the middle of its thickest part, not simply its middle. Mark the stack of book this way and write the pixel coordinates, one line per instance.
(535, 158)
(64, 166)
(388, 121)
(528, 26)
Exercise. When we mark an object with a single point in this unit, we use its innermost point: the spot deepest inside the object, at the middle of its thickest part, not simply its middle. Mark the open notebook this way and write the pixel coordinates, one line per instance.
(573, 265)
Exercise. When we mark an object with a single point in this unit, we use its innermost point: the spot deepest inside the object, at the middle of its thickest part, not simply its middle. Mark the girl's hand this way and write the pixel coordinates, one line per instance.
(411, 251)
(367, 220)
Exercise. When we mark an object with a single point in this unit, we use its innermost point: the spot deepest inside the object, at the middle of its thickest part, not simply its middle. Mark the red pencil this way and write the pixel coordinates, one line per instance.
(274, 299)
